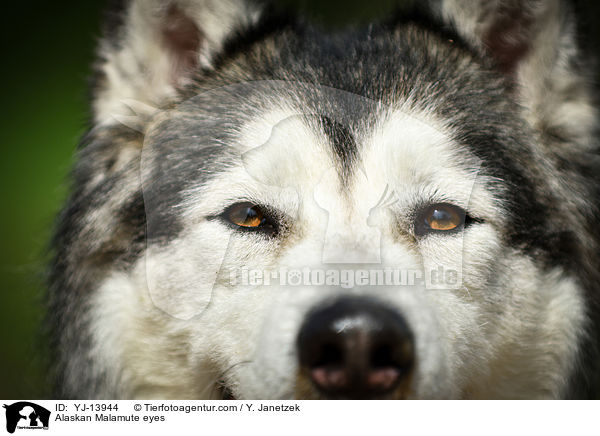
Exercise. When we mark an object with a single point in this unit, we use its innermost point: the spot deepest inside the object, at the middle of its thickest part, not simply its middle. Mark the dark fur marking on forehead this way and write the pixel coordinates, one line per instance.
(343, 145)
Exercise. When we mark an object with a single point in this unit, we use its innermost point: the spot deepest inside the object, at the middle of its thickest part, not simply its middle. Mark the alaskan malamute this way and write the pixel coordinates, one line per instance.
(264, 210)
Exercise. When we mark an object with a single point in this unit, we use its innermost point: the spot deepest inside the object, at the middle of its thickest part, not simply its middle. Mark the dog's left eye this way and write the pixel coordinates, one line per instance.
(249, 216)
(439, 218)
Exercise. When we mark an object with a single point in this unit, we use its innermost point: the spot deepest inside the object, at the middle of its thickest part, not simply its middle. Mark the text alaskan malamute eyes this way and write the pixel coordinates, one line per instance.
(252, 217)
(439, 218)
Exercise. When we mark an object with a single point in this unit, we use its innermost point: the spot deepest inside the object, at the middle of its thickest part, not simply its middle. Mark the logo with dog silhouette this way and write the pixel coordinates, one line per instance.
(26, 415)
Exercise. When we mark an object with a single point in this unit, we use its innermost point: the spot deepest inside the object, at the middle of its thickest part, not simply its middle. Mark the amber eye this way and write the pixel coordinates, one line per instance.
(440, 217)
(245, 215)
(249, 216)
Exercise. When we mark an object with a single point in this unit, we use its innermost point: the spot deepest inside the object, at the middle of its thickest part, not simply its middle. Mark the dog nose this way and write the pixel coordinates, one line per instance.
(356, 348)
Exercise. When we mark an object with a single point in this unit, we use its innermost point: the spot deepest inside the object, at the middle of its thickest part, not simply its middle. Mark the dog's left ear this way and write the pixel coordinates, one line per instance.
(154, 47)
(534, 42)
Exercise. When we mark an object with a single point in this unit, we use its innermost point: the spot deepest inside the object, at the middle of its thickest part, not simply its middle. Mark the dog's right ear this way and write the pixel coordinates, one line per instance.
(158, 45)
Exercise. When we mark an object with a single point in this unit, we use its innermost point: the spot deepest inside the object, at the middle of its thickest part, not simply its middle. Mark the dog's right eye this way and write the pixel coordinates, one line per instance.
(251, 217)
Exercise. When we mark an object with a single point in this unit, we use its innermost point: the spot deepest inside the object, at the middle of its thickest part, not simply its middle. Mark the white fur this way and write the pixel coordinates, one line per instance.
(177, 326)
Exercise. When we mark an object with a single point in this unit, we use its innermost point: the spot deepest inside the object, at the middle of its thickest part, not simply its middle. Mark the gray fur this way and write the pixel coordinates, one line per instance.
(529, 119)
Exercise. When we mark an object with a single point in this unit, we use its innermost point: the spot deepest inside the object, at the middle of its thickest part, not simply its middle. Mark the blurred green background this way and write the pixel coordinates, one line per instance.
(47, 48)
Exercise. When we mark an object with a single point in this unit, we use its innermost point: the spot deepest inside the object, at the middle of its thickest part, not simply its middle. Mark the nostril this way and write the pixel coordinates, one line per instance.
(386, 367)
(329, 378)
(382, 357)
(329, 355)
(382, 379)
(397, 353)
(327, 366)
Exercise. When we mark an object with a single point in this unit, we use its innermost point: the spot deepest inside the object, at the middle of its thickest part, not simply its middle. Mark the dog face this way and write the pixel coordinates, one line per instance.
(372, 214)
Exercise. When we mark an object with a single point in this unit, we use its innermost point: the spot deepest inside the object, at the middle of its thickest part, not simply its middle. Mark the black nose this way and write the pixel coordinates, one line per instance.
(356, 348)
